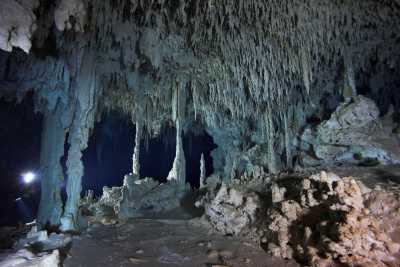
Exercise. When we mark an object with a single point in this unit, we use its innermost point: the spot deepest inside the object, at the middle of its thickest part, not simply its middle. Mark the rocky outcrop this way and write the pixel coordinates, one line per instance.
(70, 15)
(18, 23)
(148, 197)
(354, 134)
(25, 258)
(231, 211)
(322, 220)
(135, 199)
(249, 71)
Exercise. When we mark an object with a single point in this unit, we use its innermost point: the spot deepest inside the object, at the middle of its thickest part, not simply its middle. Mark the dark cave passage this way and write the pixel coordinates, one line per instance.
(157, 155)
(20, 137)
(108, 157)
(109, 154)
(194, 146)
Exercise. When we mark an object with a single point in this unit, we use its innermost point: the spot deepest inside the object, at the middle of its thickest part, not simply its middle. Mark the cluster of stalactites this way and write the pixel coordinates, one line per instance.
(256, 59)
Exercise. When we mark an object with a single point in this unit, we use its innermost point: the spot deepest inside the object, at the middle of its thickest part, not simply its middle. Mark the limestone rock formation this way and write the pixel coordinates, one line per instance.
(25, 258)
(323, 221)
(41, 241)
(18, 23)
(250, 72)
(135, 199)
(149, 197)
(70, 15)
(231, 210)
(354, 134)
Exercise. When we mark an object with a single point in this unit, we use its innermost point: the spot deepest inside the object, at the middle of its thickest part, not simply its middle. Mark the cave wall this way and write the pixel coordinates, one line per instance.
(252, 72)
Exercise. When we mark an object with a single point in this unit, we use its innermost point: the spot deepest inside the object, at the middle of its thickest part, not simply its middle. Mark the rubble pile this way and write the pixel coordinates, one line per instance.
(231, 210)
(323, 221)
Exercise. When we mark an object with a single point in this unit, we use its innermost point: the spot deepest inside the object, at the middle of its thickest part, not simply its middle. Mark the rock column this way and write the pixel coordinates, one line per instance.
(52, 149)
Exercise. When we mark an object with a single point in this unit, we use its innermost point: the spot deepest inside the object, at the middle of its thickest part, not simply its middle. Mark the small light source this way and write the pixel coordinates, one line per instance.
(28, 177)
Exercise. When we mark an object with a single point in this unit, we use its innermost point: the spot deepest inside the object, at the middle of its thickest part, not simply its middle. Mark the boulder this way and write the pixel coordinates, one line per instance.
(149, 197)
(354, 134)
(25, 258)
(230, 210)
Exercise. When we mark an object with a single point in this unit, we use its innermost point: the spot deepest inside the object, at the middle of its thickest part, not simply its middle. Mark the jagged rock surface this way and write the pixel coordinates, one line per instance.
(18, 23)
(354, 134)
(322, 221)
(136, 198)
(25, 258)
(231, 210)
(251, 72)
(70, 15)
(149, 197)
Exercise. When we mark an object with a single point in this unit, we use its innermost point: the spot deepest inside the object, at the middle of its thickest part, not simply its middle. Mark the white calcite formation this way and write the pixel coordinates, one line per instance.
(136, 198)
(250, 72)
(323, 221)
(70, 15)
(17, 24)
(148, 197)
(354, 134)
(25, 258)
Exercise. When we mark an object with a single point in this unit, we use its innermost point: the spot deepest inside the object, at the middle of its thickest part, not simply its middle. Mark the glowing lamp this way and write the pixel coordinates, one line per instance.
(28, 177)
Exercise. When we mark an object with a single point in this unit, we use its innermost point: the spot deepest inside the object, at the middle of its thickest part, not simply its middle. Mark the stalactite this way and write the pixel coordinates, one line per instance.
(238, 57)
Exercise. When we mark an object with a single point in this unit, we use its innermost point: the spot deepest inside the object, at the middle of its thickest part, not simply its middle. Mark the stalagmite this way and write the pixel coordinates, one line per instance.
(136, 153)
(202, 171)
(129, 179)
(178, 171)
(74, 185)
(52, 149)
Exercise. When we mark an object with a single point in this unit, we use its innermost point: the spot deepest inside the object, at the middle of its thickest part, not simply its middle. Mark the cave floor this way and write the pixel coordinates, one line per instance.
(150, 242)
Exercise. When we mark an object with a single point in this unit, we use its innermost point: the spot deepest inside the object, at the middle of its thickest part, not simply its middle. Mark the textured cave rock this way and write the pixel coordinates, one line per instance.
(137, 198)
(148, 197)
(322, 220)
(53, 139)
(354, 134)
(252, 73)
(231, 211)
(70, 14)
(25, 258)
(18, 23)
